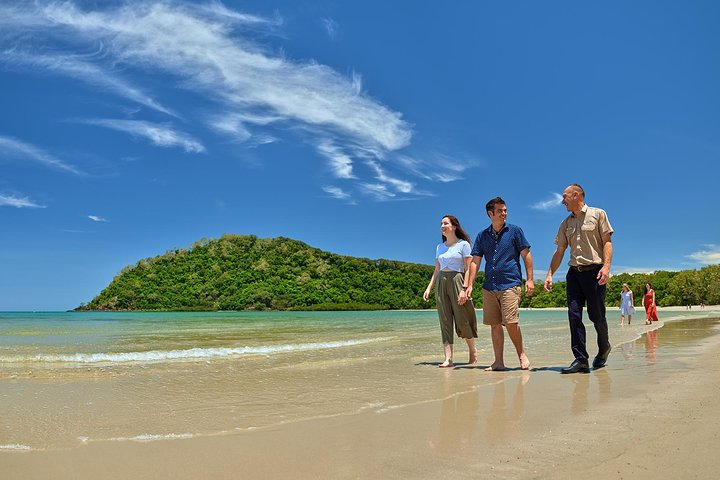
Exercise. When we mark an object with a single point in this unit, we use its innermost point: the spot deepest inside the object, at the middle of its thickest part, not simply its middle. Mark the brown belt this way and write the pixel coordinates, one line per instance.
(586, 268)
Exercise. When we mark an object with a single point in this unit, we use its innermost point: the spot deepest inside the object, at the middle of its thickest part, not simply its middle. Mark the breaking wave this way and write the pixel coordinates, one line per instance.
(192, 354)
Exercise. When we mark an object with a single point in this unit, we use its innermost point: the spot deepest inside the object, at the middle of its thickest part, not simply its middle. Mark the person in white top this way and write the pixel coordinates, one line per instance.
(627, 304)
(455, 308)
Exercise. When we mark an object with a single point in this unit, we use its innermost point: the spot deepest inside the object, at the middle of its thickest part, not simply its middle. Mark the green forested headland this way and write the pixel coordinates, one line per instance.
(243, 272)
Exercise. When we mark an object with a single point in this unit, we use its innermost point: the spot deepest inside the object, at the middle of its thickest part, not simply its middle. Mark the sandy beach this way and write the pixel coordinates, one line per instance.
(651, 413)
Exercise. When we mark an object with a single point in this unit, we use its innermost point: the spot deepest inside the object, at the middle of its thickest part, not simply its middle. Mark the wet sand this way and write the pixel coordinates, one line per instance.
(651, 413)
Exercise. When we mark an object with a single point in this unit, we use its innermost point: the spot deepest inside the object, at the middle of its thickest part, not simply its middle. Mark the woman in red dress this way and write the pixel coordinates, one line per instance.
(649, 303)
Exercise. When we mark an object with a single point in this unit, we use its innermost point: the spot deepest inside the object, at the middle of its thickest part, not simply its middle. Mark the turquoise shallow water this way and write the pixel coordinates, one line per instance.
(115, 338)
(84, 339)
(72, 378)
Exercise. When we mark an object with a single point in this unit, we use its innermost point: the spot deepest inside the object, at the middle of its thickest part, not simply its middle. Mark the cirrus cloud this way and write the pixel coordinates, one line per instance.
(17, 148)
(161, 135)
(249, 89)
(553, 202)
(17, 202)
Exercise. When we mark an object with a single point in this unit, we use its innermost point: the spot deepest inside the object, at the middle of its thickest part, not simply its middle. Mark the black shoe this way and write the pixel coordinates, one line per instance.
(577, 366)
(600, 360)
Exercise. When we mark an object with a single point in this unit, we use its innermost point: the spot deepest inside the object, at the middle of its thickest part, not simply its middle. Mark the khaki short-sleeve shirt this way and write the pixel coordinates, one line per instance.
(583, 233)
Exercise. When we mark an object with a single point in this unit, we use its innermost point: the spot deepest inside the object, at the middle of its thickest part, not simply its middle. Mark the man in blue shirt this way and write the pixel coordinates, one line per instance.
(502, 244)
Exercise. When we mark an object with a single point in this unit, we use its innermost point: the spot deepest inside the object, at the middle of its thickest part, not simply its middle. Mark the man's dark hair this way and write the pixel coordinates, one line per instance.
(490, 206)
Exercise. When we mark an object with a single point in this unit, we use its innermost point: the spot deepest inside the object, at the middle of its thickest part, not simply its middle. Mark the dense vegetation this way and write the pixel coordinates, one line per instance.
(687, 287)
(243, 272)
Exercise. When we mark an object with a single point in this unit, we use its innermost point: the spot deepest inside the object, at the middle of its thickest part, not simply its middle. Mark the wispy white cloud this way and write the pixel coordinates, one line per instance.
(17, 202)
(235, 124)
(217, 10)
(12, 147)
(331, 27)
(95, 218)
(231, 125)
(77, 67)
(709, 256)
(223, 57)
(548, 204)
(377, 191)
(201, 50)
(161, 135)
(439, 168)
(340, 163)
(400, 185)
(337, 192)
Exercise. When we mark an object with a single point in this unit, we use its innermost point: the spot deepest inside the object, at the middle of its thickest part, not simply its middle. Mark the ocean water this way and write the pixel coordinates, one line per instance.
(71, 378)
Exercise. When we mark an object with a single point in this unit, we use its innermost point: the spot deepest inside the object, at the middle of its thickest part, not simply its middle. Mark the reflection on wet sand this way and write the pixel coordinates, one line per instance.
(626, 350)
(600, 380)
(505, 412)
(459, 420)
(651, 346)
(460, 414)
(500, 407)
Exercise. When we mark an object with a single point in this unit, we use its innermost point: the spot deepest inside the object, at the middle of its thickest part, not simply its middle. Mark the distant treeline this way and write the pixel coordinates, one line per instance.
(243, 272)
(686, 287)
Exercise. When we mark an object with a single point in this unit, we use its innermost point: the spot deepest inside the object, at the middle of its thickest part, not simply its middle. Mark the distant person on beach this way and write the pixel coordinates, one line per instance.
(502, 244)
(649, 304)
(454, 305)
(588, 232)
(627, 304)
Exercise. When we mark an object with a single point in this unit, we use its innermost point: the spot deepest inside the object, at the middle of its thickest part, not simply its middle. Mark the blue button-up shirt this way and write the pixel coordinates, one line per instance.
(502, 256)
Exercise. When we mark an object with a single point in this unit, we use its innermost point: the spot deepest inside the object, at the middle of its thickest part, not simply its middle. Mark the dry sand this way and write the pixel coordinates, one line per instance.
(652, 413)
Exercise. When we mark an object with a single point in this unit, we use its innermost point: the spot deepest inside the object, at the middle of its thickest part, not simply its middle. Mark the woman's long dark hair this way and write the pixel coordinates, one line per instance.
(459, 232)
(646, 287)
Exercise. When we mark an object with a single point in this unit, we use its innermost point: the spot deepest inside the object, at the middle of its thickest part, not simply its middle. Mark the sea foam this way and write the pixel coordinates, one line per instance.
(14, 446)
(191, 354)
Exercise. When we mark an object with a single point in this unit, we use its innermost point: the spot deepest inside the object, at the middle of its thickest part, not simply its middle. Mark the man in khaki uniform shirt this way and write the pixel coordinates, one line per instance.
(588, 233)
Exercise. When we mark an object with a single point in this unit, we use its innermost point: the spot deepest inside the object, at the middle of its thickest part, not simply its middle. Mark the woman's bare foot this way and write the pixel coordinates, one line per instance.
(496, 367)
(524, 362)
(446, 364)
(473, 357)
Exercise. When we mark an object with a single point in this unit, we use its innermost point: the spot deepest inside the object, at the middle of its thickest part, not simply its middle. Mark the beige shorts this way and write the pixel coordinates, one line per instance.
(501, 307)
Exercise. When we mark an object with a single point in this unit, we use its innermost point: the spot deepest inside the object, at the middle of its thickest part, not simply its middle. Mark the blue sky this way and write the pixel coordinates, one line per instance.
(131, 128)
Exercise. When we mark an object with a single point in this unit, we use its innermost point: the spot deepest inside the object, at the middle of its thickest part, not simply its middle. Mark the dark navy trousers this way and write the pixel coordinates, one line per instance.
(583, 290)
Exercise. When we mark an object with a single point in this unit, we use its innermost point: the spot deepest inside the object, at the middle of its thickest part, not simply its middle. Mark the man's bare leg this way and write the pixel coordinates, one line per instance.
(498, 338)
(516, 338)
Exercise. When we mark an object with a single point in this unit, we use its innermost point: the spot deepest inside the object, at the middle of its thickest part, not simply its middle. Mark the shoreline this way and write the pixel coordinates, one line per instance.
(638, 308)
(643, 415)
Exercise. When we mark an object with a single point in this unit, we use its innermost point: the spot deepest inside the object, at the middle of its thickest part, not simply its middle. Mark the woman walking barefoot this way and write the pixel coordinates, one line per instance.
(627, 304)
(649, 303)
(452, 265)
